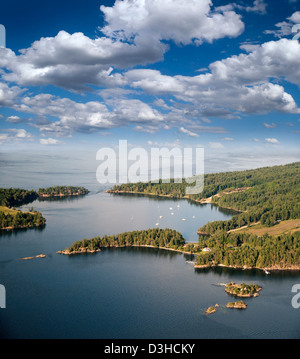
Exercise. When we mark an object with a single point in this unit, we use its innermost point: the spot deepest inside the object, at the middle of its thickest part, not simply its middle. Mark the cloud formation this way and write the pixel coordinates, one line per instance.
(184, 22)
(137, 33)
(134, 33)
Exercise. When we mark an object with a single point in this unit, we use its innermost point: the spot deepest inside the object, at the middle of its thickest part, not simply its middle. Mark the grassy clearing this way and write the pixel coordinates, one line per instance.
(284, 227)
(7, 210)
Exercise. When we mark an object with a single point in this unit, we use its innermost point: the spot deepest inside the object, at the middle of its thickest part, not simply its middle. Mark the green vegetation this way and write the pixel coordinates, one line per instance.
(237, 305)
(275, 197)
(283, 227)
(210, 310)
(272, 203)
(265, 197)
(160, 238)
(15, 197)
(242, 290)
(62, 191)
(19, 219)
(11, 218)
(248, 250)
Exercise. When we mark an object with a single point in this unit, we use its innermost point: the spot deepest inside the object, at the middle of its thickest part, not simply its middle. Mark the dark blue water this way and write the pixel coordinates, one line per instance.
(131, 292)
(122, 293)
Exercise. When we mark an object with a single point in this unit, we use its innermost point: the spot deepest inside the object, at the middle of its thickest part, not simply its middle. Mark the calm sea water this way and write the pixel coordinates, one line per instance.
(132, 292)
(122, 293)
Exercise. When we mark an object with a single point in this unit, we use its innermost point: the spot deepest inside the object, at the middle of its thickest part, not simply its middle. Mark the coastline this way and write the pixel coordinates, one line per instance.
(61, 195)
(84, 251)
(202, 201)
(273, 268)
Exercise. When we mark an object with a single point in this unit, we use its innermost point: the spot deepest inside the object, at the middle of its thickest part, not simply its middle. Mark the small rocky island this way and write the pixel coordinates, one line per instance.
(211, 310)
(237, 305)
(242, 290)
(238, 290)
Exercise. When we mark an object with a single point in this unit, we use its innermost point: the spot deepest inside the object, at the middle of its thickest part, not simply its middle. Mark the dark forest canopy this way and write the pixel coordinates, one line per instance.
(267, 195)
(275, 199)
(248, 250)
(215, 183)
(62, 191)
(21, 220)
(236, 250)
(15, 197)
(163, 238)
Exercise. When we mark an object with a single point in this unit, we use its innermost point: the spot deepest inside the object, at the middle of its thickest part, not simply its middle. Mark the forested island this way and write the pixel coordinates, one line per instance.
(157, 238)
(12, 218)
(62, 191)
(243, 290)
(264, 233)
(238, 290)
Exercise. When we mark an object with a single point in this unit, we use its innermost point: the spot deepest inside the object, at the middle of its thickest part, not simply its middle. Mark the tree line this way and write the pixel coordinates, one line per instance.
(62, 191)
(21, 220)
(268, 195)
(15, 197)
(163, 238)
(244, 249)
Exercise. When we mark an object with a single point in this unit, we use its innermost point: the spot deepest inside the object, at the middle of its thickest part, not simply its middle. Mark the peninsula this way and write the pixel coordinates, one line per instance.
(10, 217)
(10, 198)
(263, 233)
(156, 238)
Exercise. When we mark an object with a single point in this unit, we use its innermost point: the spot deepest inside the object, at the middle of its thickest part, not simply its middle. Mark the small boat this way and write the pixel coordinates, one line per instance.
(160, 217)
(194, 217)
(178, 205)
(157, 224)
(171, 208)
(266, 271)
(190, 262)
(172, 214)
(183, 219)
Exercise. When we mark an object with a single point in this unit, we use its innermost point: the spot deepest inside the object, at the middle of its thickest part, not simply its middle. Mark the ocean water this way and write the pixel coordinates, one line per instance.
(125, 293)
(130, 293)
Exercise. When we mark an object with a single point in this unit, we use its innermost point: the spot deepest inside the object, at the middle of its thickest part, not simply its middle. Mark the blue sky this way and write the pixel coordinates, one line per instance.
(80, 75)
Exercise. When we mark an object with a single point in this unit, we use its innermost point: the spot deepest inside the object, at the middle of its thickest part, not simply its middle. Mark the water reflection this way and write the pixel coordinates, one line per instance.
(15, 231)
(61, 199)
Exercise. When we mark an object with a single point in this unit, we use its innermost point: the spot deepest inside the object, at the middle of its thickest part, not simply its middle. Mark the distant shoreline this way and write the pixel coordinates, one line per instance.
(202, 201)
